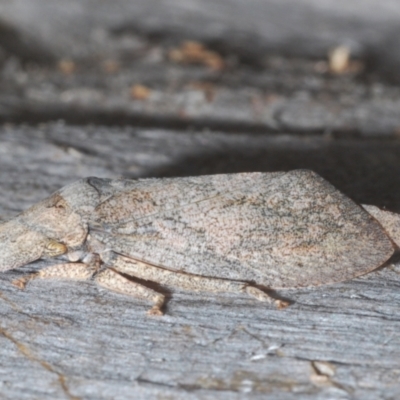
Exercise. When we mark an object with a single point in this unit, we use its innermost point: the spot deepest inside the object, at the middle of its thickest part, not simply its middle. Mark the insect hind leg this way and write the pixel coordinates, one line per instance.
(186, 281)
(263, 296)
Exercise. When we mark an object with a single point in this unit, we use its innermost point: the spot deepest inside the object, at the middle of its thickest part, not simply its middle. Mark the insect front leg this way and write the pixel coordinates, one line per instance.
(77, 271)
(164, 276)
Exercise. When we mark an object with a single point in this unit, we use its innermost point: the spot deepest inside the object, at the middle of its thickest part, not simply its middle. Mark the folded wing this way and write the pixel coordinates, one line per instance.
(282, 230)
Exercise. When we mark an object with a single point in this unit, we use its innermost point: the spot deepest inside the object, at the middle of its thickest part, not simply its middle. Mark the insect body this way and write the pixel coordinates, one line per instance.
(235, 232)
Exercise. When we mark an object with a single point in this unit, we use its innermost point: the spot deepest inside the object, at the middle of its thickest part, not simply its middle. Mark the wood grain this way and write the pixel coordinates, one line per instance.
(73, 340)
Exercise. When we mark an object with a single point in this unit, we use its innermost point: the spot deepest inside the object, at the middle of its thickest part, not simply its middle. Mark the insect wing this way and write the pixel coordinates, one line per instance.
(282, 230)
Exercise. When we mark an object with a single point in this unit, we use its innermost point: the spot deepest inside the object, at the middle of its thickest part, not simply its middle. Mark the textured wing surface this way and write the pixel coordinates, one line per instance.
(282, 230)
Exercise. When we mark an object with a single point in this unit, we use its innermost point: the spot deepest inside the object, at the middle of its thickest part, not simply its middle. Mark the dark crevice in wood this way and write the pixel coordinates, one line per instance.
(25, 48)
(122, 119)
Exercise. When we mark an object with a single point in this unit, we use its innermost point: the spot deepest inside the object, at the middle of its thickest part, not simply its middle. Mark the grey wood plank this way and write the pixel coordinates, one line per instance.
(74, 340)
(265, 101)
(260, 90)
(307, 28)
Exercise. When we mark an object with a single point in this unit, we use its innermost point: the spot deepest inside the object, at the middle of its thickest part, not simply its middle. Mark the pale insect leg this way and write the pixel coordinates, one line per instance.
(187, 281)
(73, 271)
(107, 278)
(112, 280)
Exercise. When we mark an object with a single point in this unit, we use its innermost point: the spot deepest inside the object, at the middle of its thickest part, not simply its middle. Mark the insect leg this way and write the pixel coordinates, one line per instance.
(112, 280)
(73, 271)
(164, 276)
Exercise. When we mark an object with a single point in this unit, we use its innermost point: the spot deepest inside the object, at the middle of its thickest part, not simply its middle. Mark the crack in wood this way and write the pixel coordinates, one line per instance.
(27, 353)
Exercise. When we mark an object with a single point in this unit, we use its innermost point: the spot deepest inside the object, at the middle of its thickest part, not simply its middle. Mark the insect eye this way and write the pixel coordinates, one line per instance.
(54, 248)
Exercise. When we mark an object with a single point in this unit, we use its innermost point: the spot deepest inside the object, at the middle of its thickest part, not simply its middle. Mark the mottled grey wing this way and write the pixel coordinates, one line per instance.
(282, 230)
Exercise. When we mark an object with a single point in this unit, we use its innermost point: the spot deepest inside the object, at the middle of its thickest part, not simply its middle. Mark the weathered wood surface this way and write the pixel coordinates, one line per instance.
(116, 45)
(74, 340)
(306, 28)
(63, 340)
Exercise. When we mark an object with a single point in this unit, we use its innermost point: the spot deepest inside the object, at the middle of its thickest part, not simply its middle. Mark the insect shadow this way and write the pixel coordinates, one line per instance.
(165, 291)
(367, 171)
